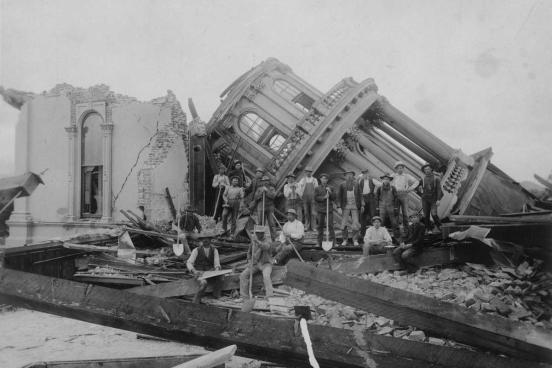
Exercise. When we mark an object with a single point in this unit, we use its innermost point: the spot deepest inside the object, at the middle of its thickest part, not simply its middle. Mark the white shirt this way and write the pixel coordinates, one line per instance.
(193, 256)
(303, 182)
(221, 180)
(288, 191)
(404, 182)
(295, 230)
(366, 188)
(377, 235)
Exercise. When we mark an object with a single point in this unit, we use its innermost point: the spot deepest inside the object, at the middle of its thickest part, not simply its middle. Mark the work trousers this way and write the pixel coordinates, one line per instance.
(266, 269)
(406, 257)
(402, 199)
(379, 248)
(322, 224)
(215, 282)
(429, 206)
(231, 211)
(387, 211)
(297, 205)
(269, 218)
(309, 212)
(353, 214)
(368, 213)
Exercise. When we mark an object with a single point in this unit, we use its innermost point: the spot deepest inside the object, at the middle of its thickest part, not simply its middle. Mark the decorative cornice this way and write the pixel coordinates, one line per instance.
(71, 129)
(107, 127)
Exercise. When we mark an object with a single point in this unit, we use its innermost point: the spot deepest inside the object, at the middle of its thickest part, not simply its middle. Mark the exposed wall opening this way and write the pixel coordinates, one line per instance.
(260, 131)
(290, 93)
(91, 166)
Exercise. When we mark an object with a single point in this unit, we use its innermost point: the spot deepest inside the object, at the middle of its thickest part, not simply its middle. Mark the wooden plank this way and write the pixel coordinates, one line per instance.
(257, 336)
(212, 359)
(467, 219)
(490, 332)
(191, 286)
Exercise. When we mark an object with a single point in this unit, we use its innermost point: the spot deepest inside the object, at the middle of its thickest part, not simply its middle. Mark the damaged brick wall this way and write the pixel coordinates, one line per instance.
(169, 133)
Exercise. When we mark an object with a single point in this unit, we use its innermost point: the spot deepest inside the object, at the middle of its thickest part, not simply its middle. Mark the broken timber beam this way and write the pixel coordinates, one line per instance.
(257, 336)
(191, 286)
(458, 323)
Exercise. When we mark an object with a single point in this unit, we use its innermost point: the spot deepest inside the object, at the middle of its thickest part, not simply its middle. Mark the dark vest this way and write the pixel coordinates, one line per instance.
(202, 262)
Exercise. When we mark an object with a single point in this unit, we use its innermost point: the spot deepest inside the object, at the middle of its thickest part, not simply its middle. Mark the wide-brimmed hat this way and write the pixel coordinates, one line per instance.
(365, 170)
(291, 210)
(376, 218)
(221, 166)
(349, 171)
(265, 178)
(386, 175)
(235, 177)
(399, 163)
(292, 175)
(324, 175)
(425, 165)
(190, 209)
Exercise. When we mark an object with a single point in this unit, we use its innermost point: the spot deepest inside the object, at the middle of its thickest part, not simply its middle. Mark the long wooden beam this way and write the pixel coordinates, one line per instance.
(445, 319)
(257, 336)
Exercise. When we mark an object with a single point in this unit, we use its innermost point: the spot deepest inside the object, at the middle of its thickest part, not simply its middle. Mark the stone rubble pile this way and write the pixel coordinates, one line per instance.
(519, 294)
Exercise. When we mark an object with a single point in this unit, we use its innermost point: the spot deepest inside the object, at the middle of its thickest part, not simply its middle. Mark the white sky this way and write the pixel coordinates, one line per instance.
(475, 73)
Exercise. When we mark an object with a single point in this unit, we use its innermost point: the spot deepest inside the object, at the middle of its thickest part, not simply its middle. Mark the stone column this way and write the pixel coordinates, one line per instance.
(415, 132)
(71, 172)
(107, 153)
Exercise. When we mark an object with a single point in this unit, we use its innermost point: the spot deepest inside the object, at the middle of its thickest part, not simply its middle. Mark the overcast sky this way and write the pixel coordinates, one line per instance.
(475, 73)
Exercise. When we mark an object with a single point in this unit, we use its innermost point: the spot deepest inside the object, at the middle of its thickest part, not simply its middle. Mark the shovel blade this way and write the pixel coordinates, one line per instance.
(178, 249)
(327, 245)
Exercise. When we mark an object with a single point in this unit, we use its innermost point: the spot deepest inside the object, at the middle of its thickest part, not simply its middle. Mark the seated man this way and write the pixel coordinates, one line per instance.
(293, 231)
(413, 246)
(205, 258)
(376, 238)
(260, 250)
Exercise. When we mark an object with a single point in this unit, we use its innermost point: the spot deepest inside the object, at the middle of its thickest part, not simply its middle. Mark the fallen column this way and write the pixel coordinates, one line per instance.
(445, 319)
(257, 336)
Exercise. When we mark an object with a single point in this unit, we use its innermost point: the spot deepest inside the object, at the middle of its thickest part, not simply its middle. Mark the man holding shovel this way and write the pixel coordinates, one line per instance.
(291, 236)
(324, 195)
(260, 260)
(220, 183)
(232, 197)
(264, 197)
(205, 258)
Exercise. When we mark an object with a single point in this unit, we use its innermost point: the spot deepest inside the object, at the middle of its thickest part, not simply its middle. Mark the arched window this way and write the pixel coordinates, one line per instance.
(253, 125)
(261, 131)
(91, 166)
(290, 93)
(276, 142)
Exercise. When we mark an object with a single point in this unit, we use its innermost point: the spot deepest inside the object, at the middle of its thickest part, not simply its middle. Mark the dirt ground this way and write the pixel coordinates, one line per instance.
(28, 336)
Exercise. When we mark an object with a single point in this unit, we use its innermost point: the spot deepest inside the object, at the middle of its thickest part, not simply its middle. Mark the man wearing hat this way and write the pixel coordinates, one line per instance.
(367, 189)
(322, 194)
(431, 194)
(404, 183)
(238, 171)
(262, 262)
(386, 198)
(268, 191)
(412, 246)
(189, 222)
(348, 205)
(251, 189)
(220, 183)
(233, 197)
(205, 258)
(291, 194)
(307, 186)
(376, 238)
(293, 231)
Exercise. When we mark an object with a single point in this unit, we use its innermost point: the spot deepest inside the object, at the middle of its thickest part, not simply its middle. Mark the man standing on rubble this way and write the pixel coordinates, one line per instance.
(348, 205)
(322, 194)
(262, 262)
(376, 239)
(220, 183)
(291, 194)
(205, 258)
(189, 222)
(367, 189)
(412, 246)
(307, 186)
(431, 194)
(238, 171)
(404, 183)
(232, 197)
(291, 236)
(251, 189)
(386, 198)
(268, 191)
